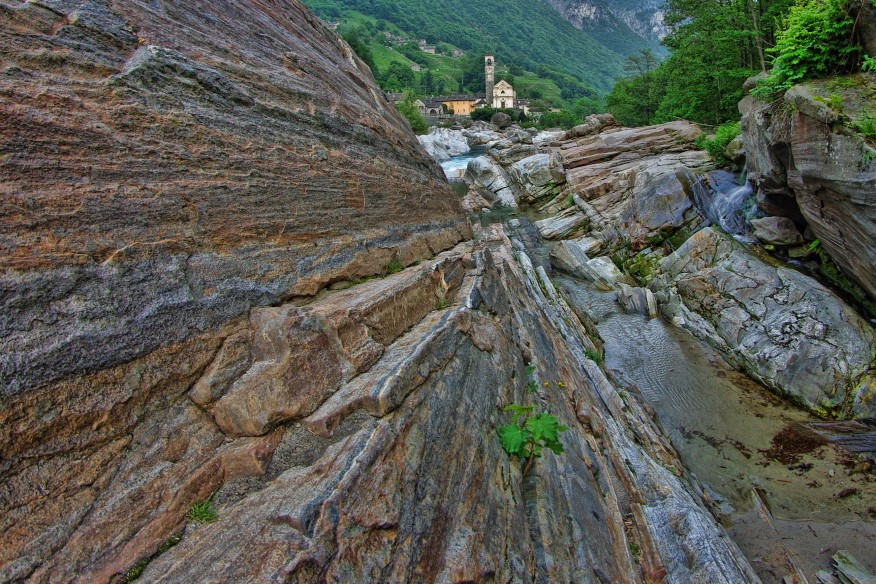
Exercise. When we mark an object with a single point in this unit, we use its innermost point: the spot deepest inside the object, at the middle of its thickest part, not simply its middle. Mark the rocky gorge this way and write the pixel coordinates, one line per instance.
(225, 285)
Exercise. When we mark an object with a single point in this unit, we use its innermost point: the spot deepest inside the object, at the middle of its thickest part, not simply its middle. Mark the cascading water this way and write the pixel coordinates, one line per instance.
(724, 200)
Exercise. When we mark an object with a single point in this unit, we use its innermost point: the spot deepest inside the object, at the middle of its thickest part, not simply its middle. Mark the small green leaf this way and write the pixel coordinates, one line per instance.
(512, 438)
(543, 426)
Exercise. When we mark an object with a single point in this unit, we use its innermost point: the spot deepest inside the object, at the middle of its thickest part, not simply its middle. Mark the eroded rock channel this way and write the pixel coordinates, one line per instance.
(715, 332)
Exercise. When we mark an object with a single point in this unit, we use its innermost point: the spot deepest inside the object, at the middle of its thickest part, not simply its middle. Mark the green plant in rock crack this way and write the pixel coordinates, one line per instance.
(204, 512)
(530, 433)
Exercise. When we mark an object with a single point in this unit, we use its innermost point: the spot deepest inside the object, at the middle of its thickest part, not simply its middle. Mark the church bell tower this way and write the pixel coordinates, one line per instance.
(490, 74)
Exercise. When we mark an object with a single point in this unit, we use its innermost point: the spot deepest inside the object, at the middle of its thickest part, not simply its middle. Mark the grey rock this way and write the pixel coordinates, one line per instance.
(488, 175)
(782, 327)
(570, 256)
(501, 120)
(637, 299)
(539, 175)
(797, 152)
(776, 231)
(443, 143)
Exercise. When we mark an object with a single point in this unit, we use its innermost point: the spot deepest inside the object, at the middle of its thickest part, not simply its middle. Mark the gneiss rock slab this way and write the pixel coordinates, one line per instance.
(166, 168)
(421, 490)
(782, 327)
(302, 355)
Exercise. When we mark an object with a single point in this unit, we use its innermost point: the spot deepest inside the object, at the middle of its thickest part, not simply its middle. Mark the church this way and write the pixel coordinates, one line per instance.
(499, 95)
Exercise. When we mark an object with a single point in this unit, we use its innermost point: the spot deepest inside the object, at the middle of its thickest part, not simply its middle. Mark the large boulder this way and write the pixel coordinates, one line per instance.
(492, 179)
(806, 162)
(444, 143)
(782, 327)
(776, 231)
(501, 120)
(170, 169)
(540, 175)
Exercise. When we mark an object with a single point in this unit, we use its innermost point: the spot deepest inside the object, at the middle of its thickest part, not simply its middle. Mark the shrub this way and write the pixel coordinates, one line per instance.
(529, 434)
(716, 145)
(813, 41)
(412, 114)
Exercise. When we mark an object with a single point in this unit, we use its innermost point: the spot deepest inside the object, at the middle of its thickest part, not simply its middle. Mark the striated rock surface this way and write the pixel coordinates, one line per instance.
(782, 327)
(168, 170)
(629, 197)
(807, 162)
(408, 480)
(634, 179)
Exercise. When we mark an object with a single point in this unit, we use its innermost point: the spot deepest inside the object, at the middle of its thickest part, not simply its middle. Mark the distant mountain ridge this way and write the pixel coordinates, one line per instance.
(642, 17)
(525, 32)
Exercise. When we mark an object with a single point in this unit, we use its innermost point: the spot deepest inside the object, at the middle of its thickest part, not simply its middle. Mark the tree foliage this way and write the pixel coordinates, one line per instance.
(715, 45)
(815, 40)
(409, 110)
(360, 46)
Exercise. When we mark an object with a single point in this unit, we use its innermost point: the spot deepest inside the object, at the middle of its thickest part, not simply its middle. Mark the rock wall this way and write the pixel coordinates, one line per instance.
(167, 168)
(806, 160)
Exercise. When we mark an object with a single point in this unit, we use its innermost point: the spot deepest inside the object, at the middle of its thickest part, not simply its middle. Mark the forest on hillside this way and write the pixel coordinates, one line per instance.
(716, 45)
(521, 32)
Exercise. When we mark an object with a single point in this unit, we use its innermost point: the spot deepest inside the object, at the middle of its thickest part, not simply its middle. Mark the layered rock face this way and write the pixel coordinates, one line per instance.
(806, 162)
(167, 168)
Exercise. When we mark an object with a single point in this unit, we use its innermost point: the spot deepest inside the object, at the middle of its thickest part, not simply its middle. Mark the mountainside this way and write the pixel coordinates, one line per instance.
(611, 20)
(524, 32)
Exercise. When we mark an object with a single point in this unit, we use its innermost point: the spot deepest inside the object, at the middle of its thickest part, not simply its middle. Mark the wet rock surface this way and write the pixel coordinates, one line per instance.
(780, 326)
(630, 196)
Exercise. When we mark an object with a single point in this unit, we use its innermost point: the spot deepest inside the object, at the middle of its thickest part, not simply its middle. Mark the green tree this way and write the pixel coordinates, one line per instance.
(397, 77)
(815, 40)
(409, 110)
(360, 46)
(584, 106)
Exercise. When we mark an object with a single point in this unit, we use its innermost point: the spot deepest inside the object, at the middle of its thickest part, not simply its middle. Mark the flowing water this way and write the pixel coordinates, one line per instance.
(731, 433)
(454, 169)
(725, 199)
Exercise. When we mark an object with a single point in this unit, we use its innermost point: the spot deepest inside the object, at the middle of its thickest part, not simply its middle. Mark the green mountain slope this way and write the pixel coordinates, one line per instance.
(527, 33)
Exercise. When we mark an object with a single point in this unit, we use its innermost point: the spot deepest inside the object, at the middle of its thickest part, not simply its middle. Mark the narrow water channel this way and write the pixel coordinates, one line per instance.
(729, 432)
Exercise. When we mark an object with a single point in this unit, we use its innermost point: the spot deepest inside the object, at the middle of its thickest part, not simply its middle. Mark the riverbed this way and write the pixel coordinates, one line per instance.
(786, 497)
